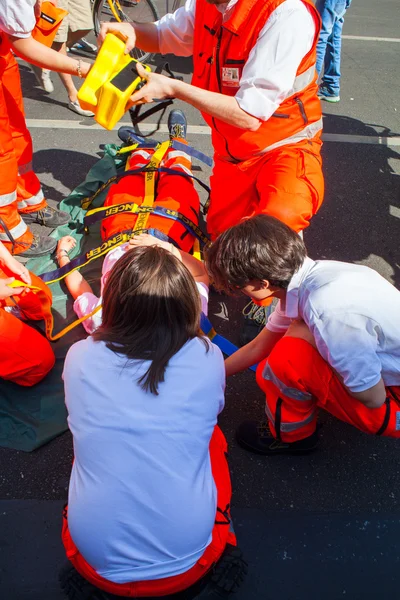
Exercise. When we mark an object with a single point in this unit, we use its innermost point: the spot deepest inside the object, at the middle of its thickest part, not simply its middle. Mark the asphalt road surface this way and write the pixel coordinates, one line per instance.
(324, 526)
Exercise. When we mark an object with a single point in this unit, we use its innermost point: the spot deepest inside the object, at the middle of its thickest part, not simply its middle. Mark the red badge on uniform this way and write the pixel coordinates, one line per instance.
(230, 77)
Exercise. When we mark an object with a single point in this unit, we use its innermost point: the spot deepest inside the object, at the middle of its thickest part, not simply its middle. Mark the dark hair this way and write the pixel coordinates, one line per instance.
(258, 248)
(151, 308)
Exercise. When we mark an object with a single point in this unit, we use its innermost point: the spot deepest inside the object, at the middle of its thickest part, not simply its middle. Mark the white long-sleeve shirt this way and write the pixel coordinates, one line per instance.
(17, 17)
(270, 71)
(354, 316)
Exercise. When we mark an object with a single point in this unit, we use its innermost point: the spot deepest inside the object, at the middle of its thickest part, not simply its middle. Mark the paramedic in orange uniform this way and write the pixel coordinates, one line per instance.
(25, 355)
(21, 196)
(254, 81)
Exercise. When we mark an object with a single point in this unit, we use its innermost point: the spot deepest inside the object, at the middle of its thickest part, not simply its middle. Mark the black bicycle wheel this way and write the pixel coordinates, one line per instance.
(141, 11)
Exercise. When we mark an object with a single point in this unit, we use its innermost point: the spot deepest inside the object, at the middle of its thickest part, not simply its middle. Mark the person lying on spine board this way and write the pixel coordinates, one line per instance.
(173, 192)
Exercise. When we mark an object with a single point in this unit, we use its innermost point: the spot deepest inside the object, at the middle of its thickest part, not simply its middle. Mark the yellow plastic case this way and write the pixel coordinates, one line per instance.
(110, 82)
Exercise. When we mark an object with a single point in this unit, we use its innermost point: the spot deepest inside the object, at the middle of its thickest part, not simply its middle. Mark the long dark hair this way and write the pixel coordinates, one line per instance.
(151, 308)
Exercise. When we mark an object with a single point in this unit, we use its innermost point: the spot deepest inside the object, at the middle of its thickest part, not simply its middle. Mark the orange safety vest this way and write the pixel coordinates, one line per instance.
(220, 52)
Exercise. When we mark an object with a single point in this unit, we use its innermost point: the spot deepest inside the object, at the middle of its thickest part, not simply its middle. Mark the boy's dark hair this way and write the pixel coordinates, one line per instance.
(151, 308)
(258, 248)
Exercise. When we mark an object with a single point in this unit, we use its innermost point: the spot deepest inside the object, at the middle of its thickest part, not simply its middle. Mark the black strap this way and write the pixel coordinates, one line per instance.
(161, 105)
(385, 423)
(278, 419)
(225, 514)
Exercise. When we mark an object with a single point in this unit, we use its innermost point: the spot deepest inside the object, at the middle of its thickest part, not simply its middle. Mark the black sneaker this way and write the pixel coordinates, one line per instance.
(128, 135)
(254, 320)
(177, 124)
(75, 587)
(40, 246)
(47, 216)
(256, 437)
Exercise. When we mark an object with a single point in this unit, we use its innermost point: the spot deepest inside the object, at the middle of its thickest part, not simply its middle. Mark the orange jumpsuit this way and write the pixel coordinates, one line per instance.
(297, 381)
(20, 190)
(276, 169)
(25, 355)
(172, 191)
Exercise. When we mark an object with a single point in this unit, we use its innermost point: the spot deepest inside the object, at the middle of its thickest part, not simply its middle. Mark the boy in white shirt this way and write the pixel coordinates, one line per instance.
(333, 341)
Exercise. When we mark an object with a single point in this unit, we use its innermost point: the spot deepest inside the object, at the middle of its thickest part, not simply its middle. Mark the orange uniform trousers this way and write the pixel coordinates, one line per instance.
(25, 355)
(297, 381)
(222, 534)
(286, 183)
(20, 190)
(172, 191)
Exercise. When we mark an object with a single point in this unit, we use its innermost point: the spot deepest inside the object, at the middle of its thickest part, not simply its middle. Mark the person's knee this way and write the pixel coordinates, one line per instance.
(45, 361)
(287, 359)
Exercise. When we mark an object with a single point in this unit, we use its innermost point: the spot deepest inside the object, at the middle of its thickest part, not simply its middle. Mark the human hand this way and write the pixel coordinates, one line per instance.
(6, 291)
(125, 30)
(67, 243)
(157, 87)
(17, 268)
(145, 239)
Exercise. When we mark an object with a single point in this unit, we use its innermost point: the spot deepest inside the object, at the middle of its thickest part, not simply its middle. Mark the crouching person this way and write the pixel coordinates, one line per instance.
(333, 341)
(25, 355)
(149, 496)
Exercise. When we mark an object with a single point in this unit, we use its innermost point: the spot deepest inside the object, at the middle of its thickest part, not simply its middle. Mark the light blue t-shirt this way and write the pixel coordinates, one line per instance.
(142, 499)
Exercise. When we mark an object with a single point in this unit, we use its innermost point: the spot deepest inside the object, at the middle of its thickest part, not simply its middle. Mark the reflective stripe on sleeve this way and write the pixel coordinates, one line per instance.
(289, 392)
(16, 232)
(6, 199)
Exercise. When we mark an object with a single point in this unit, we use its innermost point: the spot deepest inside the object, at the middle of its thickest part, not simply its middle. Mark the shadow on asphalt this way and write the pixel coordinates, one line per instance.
(358, 219)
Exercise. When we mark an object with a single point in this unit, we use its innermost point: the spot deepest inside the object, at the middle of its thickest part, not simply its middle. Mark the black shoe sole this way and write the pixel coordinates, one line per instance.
(269, 452)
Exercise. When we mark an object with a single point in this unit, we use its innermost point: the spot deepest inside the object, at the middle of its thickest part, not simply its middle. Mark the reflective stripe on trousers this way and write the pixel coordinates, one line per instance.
(6, 199)
(288, 427)
(287, 391)
(308, 133)
(32, 201)
(16, 231)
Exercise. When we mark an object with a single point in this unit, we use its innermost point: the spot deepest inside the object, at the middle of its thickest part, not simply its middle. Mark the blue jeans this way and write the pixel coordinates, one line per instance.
(330, 42)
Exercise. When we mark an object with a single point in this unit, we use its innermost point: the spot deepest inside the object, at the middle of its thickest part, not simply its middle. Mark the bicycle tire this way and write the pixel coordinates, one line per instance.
(142, 11)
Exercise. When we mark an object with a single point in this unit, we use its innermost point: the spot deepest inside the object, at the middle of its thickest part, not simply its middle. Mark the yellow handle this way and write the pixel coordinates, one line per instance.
(17, 284)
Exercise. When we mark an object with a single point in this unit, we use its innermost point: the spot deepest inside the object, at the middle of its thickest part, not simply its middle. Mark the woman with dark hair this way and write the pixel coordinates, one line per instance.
(143, 395)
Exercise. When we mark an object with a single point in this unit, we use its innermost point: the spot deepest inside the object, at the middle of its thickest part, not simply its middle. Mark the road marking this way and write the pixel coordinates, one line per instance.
(366, 38)
(361, 139)
(205, 130)
(71, 124)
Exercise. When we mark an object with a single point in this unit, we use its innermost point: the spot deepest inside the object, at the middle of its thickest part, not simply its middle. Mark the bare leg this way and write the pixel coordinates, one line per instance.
(67, 81)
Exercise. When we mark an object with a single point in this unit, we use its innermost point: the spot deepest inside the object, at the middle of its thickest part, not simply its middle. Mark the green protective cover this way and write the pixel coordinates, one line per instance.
(32, 416)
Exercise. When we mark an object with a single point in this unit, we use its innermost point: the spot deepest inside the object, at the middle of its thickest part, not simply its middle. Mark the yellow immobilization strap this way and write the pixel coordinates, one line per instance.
(150, 184)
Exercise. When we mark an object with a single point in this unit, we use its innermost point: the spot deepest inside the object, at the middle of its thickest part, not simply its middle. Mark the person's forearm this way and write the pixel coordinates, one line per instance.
(225, 108)
(252, 353)
(75, 282)
(195, 266)
(147, 37)
(373, 397)
(36, 53)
